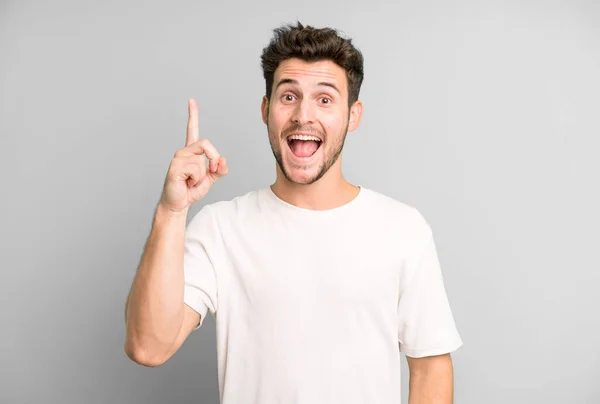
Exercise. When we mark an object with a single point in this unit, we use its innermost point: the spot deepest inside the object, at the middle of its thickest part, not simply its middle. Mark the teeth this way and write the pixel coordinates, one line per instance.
(303, 137)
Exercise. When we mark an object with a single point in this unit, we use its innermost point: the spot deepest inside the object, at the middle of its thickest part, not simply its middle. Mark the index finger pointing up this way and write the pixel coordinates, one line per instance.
(193, 132)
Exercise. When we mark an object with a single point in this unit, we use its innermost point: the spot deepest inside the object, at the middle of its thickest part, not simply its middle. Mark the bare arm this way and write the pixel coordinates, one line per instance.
(156, 318)
(155, 311)
(431, 380)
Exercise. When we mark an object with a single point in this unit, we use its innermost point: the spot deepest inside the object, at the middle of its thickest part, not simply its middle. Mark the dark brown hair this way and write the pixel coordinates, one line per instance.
(313, 44)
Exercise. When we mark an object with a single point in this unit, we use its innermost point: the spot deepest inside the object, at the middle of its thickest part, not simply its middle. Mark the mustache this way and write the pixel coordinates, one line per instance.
(300, 128)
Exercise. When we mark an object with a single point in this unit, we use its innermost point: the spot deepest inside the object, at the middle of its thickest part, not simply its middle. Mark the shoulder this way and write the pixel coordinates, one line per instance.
(404, 217)
(213, 219)
(392, 208)
(244, 204)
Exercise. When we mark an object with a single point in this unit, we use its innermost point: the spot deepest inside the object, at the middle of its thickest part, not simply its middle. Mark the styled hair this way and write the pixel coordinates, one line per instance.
(313, 44)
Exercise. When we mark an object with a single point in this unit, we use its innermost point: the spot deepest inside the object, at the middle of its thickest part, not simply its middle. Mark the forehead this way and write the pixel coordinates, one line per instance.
(311, 73)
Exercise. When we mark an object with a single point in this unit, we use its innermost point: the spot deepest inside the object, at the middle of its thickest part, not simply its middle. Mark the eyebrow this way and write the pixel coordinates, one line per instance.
(292, 81)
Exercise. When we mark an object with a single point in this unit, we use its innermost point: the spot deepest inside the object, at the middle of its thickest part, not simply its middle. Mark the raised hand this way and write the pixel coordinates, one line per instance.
(188, 178)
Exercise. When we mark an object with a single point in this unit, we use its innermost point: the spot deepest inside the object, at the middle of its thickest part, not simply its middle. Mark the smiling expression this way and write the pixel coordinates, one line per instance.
(309, 98)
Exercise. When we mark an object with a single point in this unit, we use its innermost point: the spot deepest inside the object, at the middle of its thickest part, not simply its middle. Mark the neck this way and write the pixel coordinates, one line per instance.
(329, 192)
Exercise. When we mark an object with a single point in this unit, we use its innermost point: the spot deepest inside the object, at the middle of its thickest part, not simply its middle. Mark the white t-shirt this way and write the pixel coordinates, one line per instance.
(315, 306)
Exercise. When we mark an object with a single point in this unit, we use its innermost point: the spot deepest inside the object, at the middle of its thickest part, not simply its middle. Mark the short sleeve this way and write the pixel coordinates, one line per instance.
(426, 325)
(200, 280)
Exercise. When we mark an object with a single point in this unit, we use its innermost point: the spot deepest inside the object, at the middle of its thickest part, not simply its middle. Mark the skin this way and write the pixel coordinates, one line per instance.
(431, 380)
(318, 184)
(309, 106)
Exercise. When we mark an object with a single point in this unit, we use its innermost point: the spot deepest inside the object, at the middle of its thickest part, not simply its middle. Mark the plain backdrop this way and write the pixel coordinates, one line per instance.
(484, 115)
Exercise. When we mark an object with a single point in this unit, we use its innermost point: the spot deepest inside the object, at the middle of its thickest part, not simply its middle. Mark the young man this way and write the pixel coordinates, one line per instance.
(316, 284)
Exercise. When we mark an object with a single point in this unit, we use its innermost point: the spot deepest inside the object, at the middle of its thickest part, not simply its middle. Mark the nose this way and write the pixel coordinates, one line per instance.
(304, 113)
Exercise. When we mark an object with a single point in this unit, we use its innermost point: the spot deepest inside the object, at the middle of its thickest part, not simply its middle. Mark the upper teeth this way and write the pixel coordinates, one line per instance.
(304, 137)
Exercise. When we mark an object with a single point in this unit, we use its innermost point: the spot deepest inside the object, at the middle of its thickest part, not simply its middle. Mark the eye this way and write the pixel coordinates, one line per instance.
(327, 99)
(287, 97)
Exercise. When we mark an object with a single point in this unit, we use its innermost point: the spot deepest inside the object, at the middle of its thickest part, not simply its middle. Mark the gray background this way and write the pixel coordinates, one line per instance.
(483, 115)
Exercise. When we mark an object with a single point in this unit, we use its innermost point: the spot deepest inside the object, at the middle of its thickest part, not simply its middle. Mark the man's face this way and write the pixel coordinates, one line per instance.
(308, 98)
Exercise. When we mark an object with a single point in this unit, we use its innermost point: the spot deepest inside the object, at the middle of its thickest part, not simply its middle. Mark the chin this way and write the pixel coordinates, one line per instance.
(302, 179)
(303, 176)
(299, 175)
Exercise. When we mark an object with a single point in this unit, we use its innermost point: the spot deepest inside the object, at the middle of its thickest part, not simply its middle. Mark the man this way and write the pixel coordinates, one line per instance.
(316, 284)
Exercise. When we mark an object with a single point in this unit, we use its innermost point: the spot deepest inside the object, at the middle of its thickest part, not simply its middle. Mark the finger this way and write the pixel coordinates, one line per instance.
(222, 168)
(195, 173)
(193, 179)
(206, 147)
(198, 159)
(181, 164)
(193, 131)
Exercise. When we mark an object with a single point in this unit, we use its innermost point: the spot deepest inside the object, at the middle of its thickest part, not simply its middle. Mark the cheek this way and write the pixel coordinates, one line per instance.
(332, 124)
(278, 117)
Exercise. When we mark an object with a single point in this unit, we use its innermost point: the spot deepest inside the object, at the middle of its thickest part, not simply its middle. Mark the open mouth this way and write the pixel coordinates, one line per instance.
(304, 148)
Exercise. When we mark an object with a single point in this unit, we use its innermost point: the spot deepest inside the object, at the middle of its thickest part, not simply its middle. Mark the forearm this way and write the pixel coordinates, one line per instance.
(432, 386)
(154, 308)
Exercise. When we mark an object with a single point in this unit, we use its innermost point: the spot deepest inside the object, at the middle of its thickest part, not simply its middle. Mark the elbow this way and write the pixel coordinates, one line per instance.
(142, 356)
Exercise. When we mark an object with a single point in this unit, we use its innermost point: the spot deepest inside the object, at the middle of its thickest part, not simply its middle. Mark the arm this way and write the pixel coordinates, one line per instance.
(431, 380)
(157, 320)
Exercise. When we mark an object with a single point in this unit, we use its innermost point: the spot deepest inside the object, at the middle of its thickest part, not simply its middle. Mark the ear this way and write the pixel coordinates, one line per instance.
(264, 108)
(356, 111)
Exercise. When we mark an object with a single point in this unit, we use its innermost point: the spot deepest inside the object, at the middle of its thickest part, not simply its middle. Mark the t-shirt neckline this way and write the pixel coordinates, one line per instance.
(312, 212)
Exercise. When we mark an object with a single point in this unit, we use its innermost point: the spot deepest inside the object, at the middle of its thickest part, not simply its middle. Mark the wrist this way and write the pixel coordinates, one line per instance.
(164, 213)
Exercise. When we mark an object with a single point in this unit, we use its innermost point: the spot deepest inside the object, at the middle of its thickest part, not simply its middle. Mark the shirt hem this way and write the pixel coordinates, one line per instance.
(191, 297)
(419, 353)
